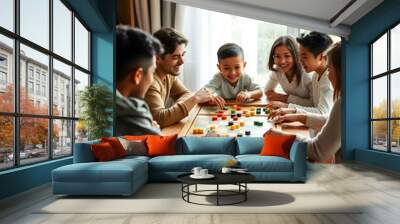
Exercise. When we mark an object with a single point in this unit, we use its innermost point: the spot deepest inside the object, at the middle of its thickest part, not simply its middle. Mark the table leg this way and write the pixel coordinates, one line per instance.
(217, 194)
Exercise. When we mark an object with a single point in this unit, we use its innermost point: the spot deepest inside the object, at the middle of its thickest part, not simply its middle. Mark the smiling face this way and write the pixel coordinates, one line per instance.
(231, 68)
(283, 59)
(172, 63)
(309, 62)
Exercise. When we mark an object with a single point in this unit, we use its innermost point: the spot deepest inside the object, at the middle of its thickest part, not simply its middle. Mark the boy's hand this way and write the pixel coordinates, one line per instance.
(273, 96)
(277, 105)
(280, 112)
(242, 96)
(219, 101)
(203, 95)
(290, 118)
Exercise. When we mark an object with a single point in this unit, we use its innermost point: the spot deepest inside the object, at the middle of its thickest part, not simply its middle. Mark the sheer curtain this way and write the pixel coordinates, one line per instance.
(207, 31)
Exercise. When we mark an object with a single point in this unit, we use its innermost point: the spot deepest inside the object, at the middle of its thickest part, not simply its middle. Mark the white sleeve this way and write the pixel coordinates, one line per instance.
(272, 82)
(308, 102)
(250, 85)
(324, 103)
(215, 84)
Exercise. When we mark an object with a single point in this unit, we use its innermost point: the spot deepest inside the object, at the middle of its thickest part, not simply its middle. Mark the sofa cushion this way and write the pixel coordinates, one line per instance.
(83, 152)
(249, 145)
(161, 145)
(134, 147)
(116, 145)
(206, 145)
(112, 171)
(185, 163)
(103, 152)
(257, 163)
(277, 145)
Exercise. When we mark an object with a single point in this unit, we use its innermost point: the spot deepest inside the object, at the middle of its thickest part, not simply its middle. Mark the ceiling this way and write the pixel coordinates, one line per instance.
(330, 16)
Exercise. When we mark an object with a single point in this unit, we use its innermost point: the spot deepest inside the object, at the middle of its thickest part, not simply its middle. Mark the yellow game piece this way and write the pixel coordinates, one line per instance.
(232, 127)
(194, 130)
(237, 126)
(247, 115)
(200, 131)
(212, 127)
(252, 108)
(242, 124)
(245, 112)
(252, 113)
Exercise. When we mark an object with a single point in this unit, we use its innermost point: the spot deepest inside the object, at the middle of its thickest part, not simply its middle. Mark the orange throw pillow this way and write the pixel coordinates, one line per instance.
(116, 145)
(161, 145)
(136, 137)
(277, 145)
(103, 152)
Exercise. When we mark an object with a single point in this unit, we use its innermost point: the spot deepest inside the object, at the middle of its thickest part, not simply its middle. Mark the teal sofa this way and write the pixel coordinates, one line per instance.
(125, 176)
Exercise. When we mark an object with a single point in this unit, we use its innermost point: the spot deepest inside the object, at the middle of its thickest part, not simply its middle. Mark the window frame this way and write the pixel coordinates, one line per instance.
(388, 74)
(16, 114)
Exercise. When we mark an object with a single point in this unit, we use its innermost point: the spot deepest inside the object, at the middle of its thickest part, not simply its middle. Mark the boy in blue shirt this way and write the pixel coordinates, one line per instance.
(231, 82)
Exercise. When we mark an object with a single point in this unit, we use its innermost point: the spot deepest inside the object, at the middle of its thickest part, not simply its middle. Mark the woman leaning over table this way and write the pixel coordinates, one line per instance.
(328, 141)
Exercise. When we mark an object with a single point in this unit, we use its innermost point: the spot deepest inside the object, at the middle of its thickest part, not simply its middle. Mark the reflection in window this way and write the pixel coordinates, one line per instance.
(395, 95)
(81, 45)
(33, 140)
(62, 137)
(379, 56)
(35, 23)
(81, 81)
(379, 135)
(395, 47)
(379, 98)
(395, 138)
(6, 142)
(62, 29)
(6, 73)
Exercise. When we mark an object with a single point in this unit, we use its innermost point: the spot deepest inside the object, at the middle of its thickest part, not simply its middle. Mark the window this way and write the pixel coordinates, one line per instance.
(385, 95)
(213, 29)
(46, 130)
(3, 78)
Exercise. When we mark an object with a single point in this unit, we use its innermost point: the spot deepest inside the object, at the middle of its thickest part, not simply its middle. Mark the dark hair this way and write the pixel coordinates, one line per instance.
(315, 42)
(230, 50)
(135, 48)
(334, 55)
(170, 39)
(291, 44)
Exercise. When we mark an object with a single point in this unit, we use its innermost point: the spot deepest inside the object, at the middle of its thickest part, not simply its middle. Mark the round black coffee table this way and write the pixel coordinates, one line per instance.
(238, 179)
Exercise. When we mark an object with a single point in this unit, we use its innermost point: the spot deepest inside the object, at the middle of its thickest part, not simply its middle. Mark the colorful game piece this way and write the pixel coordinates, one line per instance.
(238, 108)
(242, 124)
(212, 127)
(248, 115)
(258, 123)
(219, 115)
(198, 131)
(247, 133)
(221, 112)
(232, 127)
(233, 112)
(234, 106)
(235, 118)
(245, 112)
(238, 114)
(258, 111)
(223, 117)
(252, 109)
(230, 123)
(214, 118)
(252, 113)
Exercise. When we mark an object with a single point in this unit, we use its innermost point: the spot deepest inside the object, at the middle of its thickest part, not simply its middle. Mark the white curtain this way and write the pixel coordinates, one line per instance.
(207, 31)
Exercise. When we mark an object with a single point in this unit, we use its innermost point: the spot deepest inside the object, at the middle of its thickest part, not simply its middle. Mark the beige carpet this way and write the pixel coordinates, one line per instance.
(166, 198)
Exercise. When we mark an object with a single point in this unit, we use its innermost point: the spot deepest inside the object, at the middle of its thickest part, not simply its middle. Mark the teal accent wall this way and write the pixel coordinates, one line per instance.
(100, 17)
(356, 126)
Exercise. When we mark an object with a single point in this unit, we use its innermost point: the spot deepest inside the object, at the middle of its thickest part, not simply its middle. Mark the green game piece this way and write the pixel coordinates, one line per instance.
(233, 111)
(258, 123)
(258, 112)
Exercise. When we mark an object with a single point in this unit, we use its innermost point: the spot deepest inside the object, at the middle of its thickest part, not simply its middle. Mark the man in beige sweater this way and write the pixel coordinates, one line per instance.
(166, 85)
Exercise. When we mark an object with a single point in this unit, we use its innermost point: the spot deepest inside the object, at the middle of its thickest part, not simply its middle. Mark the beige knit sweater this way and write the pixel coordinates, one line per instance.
(328, 141)
(158, 94)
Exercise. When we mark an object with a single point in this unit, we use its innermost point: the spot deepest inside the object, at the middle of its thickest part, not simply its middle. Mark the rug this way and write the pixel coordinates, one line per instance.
(167, 198)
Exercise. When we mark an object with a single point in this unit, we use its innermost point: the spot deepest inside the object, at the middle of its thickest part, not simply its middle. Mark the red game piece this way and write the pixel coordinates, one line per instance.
(214, 118)
(223, 117)
(219, 115)
(235, 118)
(238, 108)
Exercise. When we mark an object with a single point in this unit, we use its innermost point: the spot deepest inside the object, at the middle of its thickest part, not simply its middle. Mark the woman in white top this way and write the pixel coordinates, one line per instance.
(311, 51)
(286, 70)
(327, 143)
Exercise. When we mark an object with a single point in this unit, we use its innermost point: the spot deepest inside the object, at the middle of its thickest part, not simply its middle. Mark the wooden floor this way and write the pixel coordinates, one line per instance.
(378, 188)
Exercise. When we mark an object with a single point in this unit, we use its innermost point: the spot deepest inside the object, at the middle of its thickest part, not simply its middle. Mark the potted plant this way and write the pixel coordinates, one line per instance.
(95, 103)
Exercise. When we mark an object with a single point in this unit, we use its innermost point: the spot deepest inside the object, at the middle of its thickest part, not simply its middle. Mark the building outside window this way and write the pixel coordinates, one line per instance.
(59, 133)
(385, 94)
